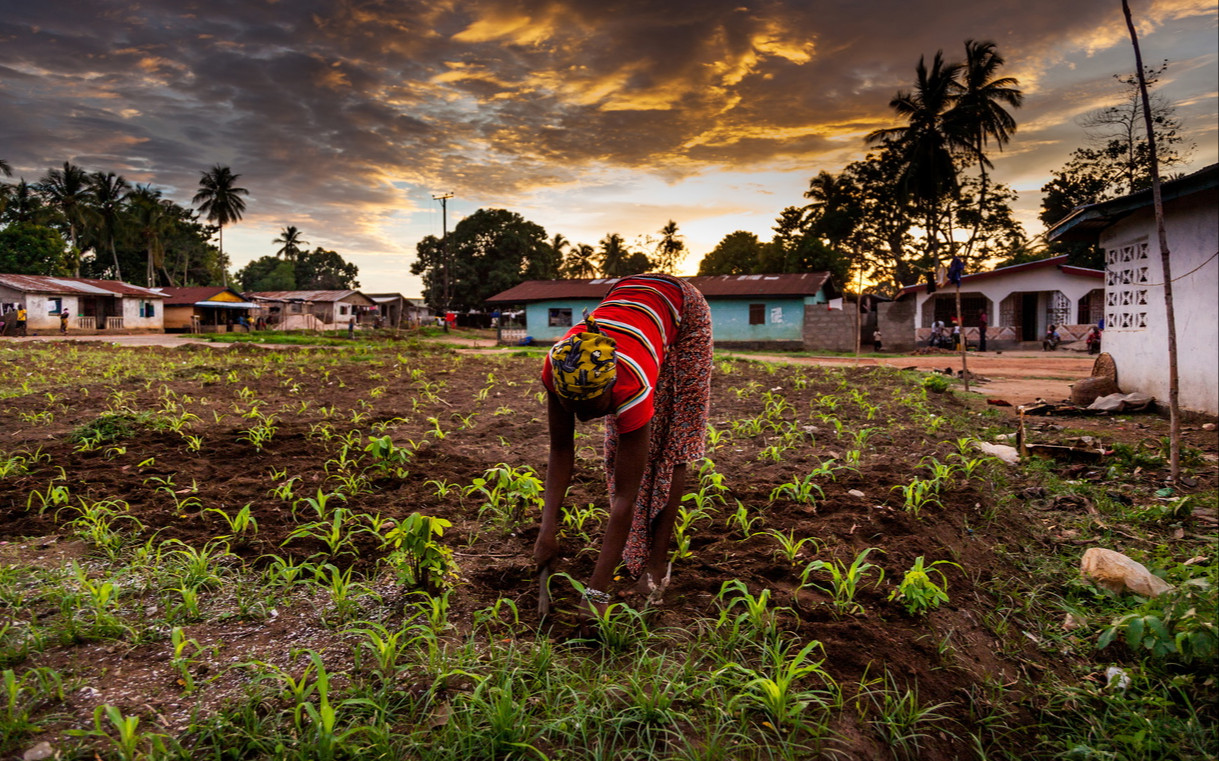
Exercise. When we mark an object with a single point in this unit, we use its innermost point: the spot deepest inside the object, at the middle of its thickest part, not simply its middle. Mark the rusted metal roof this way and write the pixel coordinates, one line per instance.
(315, 296)
(188, 295)
(712, 286)
(76, 286)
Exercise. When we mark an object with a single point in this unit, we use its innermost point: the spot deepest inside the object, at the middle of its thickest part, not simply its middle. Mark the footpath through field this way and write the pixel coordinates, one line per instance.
(1017, 377)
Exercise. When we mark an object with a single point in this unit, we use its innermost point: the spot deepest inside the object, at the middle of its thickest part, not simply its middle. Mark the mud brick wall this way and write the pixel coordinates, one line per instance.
(896, 322)
(828, 329)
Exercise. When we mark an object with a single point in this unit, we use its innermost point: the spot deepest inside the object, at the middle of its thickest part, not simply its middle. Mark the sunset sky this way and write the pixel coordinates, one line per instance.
(343, 118)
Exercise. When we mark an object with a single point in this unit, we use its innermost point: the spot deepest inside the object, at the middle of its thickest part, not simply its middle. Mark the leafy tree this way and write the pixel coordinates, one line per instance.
(613, 255)
(67, 191)
(882, 234)
(267, 273)
(290, 243)
(5, 168)
(31, 249)
(1116, 160)
(221, 200)
(325, 270)
(738, 253)
(490, 251)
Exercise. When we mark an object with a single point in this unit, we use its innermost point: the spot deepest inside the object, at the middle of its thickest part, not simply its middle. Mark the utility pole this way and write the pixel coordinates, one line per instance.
(446, 293)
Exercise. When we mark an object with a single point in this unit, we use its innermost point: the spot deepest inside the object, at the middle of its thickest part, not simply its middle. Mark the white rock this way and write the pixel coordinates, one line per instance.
(855, 493)
(1002, 451)
(1115, 676)
(38, 752)
(1117, 573)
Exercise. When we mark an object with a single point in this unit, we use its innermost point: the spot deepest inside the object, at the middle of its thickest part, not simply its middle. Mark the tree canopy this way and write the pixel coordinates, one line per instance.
(489, 251)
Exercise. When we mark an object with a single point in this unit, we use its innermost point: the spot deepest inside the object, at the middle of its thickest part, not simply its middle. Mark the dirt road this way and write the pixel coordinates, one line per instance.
(1015, 377)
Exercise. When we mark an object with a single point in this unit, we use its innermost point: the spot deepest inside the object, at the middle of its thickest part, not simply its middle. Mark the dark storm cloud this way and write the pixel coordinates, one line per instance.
(324, 105)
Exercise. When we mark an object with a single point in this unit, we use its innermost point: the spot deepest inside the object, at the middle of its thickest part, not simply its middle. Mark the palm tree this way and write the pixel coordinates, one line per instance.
(292, 242)
(927, 143)
(979, 115)
(581, 262)
(614, 254)
(68, 191)
(5, 168)
(220, 199)
(106, 194)
(23, 204)
(148, 213)
(670, 250)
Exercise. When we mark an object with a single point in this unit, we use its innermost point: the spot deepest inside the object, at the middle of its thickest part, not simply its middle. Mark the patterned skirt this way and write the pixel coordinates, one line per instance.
(679, 424)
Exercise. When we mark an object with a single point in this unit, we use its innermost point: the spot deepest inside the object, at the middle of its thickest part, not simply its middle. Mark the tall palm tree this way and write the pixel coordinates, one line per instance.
(67, 190)
(927, 143)
(220, 199)
(979, 115)
(106, 194)
(291, 242)
(148, 213)
(23, 204)
(670, 249)
(581, 262)
(614, 254)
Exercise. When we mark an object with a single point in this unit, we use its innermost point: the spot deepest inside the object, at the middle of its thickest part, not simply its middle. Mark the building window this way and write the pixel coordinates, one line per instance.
(559, 318)
(148, 309)
(54, 306)
(757, 314)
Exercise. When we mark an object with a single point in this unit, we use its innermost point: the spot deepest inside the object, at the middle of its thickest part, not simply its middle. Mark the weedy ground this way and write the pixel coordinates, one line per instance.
(325, 553)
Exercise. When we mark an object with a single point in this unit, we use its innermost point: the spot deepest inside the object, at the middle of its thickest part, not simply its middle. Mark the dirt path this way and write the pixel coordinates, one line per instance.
(1015, 377)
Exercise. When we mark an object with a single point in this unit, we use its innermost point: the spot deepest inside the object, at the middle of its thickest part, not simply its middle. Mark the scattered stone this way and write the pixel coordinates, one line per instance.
(1117, 573)
(1208, 426)
(1117, 677)
(38, 752)
(855, 493)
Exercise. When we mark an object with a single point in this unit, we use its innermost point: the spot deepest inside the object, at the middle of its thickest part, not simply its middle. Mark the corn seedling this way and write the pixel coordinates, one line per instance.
(918, 592)
(844, 580)
(789, 546)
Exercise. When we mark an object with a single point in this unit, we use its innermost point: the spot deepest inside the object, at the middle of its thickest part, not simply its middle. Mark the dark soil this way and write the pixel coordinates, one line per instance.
(950, 655)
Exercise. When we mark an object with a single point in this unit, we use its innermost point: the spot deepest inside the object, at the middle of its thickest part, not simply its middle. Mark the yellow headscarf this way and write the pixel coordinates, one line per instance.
(583, 365)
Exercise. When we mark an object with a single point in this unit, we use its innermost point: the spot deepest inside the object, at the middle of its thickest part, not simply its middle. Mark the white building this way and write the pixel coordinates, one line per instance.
(1136, 329)
(92, 305)
(1020, 302)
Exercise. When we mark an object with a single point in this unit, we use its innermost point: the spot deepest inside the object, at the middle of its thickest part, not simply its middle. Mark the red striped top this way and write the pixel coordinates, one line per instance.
(642, 314)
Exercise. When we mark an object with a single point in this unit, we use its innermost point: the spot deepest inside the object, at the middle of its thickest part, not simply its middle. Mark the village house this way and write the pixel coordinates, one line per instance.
(1020, 302)
(1136, 321)
(92, 305)
(205, 309)
(777, 312)
(312, 310)
(398, 311)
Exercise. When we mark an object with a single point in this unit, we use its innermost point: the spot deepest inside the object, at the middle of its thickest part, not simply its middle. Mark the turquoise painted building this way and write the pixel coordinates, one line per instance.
(747, 311)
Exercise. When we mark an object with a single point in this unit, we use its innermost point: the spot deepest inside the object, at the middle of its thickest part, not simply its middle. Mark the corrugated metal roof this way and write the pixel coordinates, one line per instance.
(76, 286)
(193, 294)
(302, 295)
(1085, 223)
(711, 286)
